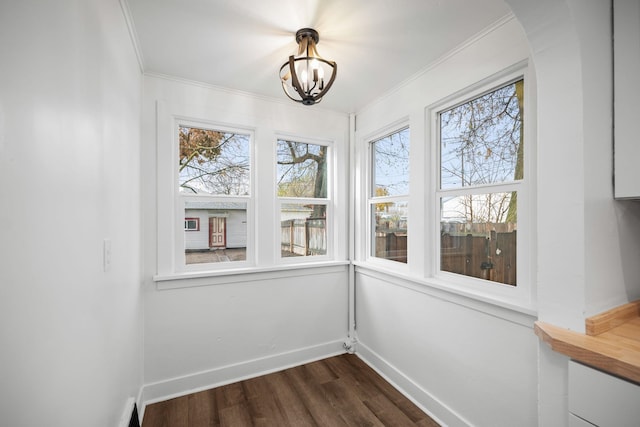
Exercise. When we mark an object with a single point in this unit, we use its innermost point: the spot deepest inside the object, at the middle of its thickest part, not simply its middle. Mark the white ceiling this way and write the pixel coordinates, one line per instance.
(241, 44)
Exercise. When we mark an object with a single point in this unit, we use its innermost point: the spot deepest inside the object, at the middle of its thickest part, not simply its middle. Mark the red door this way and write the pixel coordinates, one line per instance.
(217, 232)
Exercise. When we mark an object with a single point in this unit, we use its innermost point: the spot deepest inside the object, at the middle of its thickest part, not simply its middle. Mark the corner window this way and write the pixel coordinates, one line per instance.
(481, 162)
(214, 170)
(389, 196)
(303, 198)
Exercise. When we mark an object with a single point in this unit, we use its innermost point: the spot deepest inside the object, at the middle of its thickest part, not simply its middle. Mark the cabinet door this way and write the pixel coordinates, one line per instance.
(626, 74)
(602, 399)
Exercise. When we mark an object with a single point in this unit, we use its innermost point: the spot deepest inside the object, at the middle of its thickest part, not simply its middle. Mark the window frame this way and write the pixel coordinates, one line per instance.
(182, 199)
(195, 220)
(162, 175)
(521, 293)
(175, 247)
(370, 200)
(328, 201)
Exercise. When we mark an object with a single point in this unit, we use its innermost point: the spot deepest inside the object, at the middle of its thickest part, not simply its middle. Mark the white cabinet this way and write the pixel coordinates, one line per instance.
(626, 47)
(602, 399)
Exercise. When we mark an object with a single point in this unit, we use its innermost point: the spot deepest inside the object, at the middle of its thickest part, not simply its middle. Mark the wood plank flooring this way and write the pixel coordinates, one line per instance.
(338, 391)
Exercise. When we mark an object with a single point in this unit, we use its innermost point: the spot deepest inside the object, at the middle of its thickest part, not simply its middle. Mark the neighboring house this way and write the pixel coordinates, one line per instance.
(291, 211)
(212, 225)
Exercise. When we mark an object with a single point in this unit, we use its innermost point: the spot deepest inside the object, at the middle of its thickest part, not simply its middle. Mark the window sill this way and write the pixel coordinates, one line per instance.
(247, 274)
(519, 313)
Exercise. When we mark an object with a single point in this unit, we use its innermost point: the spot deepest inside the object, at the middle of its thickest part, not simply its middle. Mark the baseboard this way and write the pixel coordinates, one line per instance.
(180, 386)
(140, 403)
(127, 412)
(436, 409)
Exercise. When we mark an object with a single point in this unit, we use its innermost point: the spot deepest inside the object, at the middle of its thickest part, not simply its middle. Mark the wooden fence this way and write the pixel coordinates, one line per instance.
(302, 237)
(391, 245)
(490, 258)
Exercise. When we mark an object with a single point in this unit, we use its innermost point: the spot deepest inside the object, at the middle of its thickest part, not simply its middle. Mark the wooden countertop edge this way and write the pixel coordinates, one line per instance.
(603, 322)
(590, 350)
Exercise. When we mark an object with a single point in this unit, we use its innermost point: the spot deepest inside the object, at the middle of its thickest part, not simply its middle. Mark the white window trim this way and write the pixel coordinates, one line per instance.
(261, 259)
(424, 210)
(522, 294)
(181, 199)
(329, 201)
(170, 235)
(369, 199)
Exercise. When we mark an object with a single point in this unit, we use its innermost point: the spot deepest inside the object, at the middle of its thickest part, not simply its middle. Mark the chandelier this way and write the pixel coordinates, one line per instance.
(306, 77)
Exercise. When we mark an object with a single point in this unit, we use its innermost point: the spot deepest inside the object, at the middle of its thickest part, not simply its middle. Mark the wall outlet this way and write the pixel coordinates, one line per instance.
(106, 254)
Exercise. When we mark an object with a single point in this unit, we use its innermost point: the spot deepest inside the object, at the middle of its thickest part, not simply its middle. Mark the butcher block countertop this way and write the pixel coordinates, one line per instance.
(611, 342)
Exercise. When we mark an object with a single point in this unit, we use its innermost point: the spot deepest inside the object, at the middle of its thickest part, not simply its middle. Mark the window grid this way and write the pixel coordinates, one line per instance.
(304, 208)
(214, 187)
(480, 146)
(389, 196)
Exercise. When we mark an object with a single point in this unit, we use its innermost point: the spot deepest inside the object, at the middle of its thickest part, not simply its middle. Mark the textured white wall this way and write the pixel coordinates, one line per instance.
(70, 98)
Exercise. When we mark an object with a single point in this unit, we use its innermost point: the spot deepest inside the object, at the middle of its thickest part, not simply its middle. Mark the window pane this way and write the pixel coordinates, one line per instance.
(222, 236)
(191, 224)
(303, 230)
(213, 162)
(302, 169)
(390, 232)
(481, 141)
(391, 165)
(478, 236)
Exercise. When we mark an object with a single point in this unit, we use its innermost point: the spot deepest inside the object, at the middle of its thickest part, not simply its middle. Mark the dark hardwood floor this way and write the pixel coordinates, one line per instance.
(338, 391)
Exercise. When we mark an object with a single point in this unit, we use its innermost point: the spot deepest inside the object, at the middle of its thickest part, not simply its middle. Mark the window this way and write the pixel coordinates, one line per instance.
(389, 196)
(303, 198)
(242, 195)
(481, 181)
(192, 224)
(214, 186)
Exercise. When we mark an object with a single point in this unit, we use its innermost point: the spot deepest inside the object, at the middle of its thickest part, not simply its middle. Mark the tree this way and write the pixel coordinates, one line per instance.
(213, 162)
(512, 214)
(482, 143)
(302, 172)
(391, 164)
(382, 207)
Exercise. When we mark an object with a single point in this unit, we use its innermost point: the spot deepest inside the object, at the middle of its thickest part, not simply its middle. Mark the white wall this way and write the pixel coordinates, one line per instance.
(209, 331)
(569, 46)
(571, 49)
(70, 98)
(237, 229)
(203, 336)
(465, 361)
